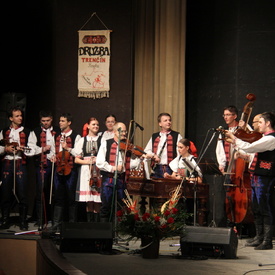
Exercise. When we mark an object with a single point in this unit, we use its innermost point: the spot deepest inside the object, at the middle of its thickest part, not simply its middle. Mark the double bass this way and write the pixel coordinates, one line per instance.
(237, 178)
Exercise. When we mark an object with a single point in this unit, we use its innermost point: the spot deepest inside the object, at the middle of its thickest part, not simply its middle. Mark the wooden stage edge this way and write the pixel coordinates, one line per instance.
(31, 255)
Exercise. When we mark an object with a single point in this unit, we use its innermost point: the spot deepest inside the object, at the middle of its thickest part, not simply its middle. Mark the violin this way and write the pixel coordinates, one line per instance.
(5, 142)
(129, 147)
(63, 165)
(95, 179)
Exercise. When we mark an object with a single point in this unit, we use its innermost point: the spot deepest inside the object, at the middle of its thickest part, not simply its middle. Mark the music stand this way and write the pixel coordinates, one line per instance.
(209, 167)
(194, 174)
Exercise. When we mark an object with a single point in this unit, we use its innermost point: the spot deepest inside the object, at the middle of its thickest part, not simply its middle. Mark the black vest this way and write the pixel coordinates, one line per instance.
(174, 135)
(85, 153)
(265, 165)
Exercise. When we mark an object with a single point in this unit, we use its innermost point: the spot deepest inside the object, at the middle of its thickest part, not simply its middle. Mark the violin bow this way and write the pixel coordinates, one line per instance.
(128, 140)
(14, 177)
(51, 191)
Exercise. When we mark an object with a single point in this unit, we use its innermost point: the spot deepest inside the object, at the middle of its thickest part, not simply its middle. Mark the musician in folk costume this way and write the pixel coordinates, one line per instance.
(88, 183)
(162, 147)
(14, 172)
(185, 164)
(65, 176)
(114, 165)
(223, 148)
(42, 144)
(263, 179)
(110, 121)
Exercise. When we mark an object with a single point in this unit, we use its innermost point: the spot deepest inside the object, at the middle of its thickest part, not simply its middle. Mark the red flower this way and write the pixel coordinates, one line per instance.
(174, 210)
(157, 218)
(119, 213)
(163, 226)
(166, 213)
(145, 216)
(170, 220)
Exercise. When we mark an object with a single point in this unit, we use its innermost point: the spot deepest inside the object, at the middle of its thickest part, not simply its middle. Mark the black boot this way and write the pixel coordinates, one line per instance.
(23, 210)
(39, 215)
(57, 219)
(5, 218)
(97, 217)
(90, 217)
(258, 239)
(267, 242)
(73, 214)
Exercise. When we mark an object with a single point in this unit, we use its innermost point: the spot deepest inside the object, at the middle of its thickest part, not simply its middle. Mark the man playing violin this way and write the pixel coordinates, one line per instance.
(14, 161)
(42, 144)
(114, 165)
(263, 179)
(65, 176)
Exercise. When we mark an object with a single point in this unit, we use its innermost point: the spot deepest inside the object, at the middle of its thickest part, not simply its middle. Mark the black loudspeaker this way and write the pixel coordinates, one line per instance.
(209, 241)
(86, 237)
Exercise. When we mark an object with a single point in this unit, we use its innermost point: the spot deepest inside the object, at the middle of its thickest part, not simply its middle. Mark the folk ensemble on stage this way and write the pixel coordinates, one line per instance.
(95, 167)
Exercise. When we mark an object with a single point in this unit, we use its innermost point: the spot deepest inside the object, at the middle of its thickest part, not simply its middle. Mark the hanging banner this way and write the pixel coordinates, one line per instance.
(94, 63)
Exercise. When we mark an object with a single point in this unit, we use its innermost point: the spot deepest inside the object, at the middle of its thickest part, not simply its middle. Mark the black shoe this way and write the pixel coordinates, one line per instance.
(24, 226)
(254, 243)
(5, 225)
(264, 246)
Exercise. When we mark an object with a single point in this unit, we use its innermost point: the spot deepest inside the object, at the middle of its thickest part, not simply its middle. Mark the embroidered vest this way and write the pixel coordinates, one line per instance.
(70, 140)
(171, 144)
(41, 142)
(111, 156)
(23, 135)
(265, 165)
(87, 150)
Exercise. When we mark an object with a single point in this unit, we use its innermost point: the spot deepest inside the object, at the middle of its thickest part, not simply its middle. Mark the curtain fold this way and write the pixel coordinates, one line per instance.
(159, 65)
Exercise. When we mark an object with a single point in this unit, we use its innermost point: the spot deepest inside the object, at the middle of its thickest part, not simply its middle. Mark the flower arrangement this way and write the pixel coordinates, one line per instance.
(156, 225)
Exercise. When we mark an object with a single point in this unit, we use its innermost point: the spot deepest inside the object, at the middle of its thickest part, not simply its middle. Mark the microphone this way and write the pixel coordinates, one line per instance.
(139, 126)
(216, 129)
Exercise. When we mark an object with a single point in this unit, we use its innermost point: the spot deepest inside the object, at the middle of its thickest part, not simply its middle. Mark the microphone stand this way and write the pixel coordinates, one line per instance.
(42, 199)
(194, 172)
(114, 198)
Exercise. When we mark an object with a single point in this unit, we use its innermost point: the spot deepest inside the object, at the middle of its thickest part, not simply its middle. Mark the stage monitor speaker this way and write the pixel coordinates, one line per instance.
(86, 237)
(209, 241)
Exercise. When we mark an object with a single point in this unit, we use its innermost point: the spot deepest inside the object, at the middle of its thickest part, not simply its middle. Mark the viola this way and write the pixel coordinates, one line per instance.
(125, 145)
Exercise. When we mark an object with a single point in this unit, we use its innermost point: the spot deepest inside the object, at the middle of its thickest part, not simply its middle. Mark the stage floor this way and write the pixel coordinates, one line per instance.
(170, 261)
(127, 260)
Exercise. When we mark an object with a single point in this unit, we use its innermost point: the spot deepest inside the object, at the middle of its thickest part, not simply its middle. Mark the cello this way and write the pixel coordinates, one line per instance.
(237, 178)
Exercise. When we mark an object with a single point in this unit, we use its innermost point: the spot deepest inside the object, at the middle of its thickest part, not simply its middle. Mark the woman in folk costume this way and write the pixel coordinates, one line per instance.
(89, 180)
(184, 163)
